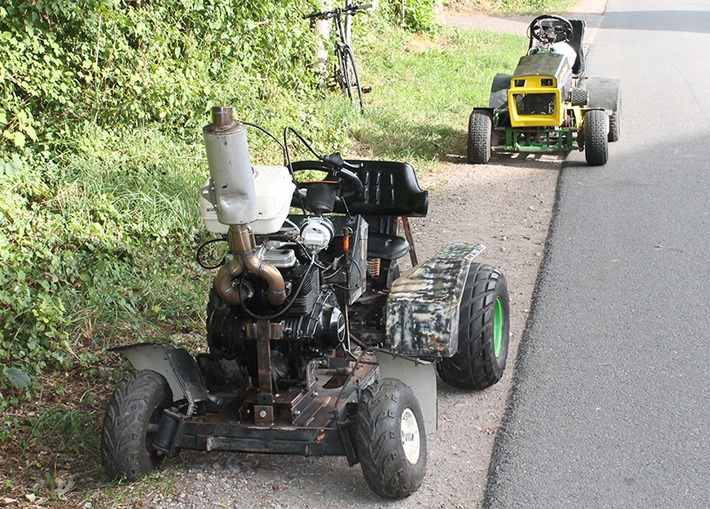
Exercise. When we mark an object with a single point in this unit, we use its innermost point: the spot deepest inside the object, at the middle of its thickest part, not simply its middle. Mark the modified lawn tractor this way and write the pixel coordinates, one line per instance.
(318, 343)
(548, 104)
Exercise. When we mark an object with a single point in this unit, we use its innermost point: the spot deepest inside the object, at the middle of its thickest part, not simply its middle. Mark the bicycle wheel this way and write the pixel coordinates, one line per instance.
(350, 81)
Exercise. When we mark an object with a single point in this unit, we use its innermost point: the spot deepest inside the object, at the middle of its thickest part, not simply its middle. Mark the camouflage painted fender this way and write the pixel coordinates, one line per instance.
(423, 306)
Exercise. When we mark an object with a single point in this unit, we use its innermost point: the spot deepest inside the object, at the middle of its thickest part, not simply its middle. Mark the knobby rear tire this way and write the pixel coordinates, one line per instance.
(480, 131)
(596, 141)
(484, 331)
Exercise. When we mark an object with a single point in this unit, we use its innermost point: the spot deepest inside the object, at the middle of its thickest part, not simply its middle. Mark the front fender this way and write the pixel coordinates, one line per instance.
(423, 306)
(177, 366)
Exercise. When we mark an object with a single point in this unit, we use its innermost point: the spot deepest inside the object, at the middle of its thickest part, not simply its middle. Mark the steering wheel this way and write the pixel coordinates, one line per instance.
(558, 30)
(347, 186)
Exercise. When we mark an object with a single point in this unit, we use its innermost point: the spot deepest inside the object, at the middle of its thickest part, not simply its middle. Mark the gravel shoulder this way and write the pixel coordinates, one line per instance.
(507, 205)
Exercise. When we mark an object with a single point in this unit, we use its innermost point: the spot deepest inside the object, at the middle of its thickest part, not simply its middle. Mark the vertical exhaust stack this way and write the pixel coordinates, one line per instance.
(231, 191)
(231, 187)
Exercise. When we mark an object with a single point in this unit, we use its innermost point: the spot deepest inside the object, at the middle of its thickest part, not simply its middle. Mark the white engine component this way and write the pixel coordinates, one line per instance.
(317, 233)
(273, 189)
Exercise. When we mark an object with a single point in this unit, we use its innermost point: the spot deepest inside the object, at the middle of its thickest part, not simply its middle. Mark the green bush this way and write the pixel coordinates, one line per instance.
(86, 241)
(413, 15)
(113, 62)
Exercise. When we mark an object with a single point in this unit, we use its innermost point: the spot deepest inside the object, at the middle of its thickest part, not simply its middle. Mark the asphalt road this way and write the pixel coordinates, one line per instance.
(611, 403)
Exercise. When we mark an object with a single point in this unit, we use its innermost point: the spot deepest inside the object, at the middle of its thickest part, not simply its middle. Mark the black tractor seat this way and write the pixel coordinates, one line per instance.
(390, 191)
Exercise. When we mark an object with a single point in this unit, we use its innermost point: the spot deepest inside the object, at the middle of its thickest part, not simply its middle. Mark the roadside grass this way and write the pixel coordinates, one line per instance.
(424, 88)
(513, 7)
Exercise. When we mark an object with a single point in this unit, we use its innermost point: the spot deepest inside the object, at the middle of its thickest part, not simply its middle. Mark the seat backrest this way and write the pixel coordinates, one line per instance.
(577, 44)
(390, 189)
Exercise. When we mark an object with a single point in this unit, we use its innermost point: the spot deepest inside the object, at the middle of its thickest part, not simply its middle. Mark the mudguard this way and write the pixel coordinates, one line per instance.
(176, 364)
(420, 376)
(423, 306)
(604, 93)
(499, 91)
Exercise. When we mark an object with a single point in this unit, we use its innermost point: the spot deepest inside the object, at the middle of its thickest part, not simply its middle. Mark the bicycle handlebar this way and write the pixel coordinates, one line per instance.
(353, 9)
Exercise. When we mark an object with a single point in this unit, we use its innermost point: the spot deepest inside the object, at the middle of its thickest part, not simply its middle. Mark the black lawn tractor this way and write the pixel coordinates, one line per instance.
(548, 104)
(318, 343)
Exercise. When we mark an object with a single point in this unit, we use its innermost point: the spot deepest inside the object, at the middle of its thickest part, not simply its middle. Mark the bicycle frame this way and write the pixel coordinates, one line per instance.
(345, 72)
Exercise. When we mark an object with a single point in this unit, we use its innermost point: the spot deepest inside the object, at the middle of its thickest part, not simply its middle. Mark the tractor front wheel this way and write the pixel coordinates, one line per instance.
(484, 331)
(390, 439)
(596, 142)
(480, 131)
(131, 423)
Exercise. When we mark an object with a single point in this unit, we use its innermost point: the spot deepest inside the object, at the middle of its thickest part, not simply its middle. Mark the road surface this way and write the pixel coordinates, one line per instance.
(611, 400)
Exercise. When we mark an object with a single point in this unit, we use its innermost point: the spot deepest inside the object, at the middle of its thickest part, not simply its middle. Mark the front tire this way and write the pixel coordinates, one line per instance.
(480, 131)
(130, 424)
(596, 142)
(390, 439)
(484, 331)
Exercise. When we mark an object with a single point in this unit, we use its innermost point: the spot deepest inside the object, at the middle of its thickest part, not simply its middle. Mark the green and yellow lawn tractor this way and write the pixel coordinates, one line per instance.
(548, 104)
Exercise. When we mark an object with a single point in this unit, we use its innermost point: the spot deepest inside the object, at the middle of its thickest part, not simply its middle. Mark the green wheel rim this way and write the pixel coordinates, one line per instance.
(498, 319)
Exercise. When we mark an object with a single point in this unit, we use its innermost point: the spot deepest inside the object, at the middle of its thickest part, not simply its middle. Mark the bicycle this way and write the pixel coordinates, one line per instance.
(345, 74)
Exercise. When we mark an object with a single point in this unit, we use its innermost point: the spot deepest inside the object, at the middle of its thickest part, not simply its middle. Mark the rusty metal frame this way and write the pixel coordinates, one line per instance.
(310, 422)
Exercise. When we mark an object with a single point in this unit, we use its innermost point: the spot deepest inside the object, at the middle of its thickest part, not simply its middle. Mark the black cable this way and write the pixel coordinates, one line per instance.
(288, 163)
(263, 130)
(303, 140)
(204, 245)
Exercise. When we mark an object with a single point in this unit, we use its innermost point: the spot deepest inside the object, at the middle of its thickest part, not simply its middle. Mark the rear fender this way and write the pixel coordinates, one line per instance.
(423, 306)
(177, 366)
(499, 91)
(604, 93)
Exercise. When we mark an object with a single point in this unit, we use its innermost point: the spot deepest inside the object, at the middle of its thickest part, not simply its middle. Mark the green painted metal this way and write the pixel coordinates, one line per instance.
(498, 318)
(537, 139)
(531, 139)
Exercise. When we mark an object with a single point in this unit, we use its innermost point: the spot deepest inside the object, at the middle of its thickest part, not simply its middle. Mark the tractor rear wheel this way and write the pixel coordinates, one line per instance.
(130, 424)
(614, 120)
(596, 142)
(390, 439)
(480, 130)
(484, 330)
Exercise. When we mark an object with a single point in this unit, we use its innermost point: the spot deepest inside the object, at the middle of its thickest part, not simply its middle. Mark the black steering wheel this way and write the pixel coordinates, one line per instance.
(340, 175)
(558, 29)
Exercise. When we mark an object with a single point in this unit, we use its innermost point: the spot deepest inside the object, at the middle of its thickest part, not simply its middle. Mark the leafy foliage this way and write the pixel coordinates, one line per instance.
(97, 184)
(101, 107)
(414, 15)
(111, 61)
